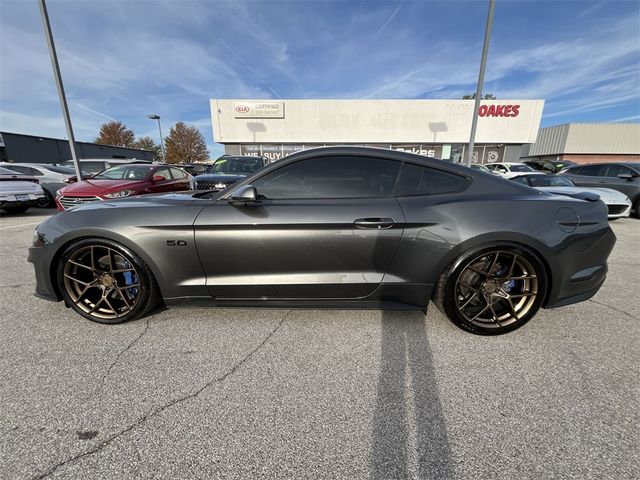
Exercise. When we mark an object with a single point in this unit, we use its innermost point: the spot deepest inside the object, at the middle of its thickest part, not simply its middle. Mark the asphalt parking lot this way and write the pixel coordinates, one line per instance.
(241, 393)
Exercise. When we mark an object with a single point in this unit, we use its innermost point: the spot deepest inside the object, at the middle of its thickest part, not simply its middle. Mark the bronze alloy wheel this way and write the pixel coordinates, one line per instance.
(497, 289)
(102, 282)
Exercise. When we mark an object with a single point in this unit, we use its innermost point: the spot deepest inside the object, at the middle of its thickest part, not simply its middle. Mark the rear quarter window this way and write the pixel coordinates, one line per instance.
(419, 180)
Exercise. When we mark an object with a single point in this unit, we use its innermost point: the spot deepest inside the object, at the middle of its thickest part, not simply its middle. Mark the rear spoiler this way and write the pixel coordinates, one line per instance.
(588, 196)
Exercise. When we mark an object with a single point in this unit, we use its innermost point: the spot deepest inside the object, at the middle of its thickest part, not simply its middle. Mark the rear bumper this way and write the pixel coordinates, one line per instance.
(580, 272)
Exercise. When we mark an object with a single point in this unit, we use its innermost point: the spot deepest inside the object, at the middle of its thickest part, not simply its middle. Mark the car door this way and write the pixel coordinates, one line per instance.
(180, 179)
(323, 228)
(159, 186)
(588, 175)
(628, 186)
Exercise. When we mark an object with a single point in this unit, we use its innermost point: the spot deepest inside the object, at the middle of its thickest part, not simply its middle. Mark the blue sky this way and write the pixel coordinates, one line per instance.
(124, 60)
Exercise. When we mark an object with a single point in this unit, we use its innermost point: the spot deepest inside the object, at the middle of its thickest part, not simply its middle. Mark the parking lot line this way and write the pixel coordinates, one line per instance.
(21, 225)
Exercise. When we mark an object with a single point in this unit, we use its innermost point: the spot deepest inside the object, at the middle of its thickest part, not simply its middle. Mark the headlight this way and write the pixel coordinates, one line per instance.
(120, 194)
(37, 239)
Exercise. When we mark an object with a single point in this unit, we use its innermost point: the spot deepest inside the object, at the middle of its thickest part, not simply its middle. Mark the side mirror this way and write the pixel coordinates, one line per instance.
(71, 179)
(158, 178)
(245, 194)
(626, 176)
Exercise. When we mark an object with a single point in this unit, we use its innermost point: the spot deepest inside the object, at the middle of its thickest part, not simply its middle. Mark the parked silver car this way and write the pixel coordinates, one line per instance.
(51, 177)
(18, 192)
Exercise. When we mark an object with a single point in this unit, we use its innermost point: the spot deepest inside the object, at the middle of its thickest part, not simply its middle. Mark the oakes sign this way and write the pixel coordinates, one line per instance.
(499, 110)
(271, 109)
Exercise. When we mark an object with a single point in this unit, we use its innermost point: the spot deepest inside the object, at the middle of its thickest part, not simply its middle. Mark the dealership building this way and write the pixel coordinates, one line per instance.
(19, 148)
(587, 143)
(434, 128)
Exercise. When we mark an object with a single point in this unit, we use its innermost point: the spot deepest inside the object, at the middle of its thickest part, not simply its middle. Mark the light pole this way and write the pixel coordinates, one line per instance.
(58, 77)
(483, 63)
(157, 117)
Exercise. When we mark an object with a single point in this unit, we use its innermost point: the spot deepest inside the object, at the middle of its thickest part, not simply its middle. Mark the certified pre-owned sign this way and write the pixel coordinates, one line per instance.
(270, 109)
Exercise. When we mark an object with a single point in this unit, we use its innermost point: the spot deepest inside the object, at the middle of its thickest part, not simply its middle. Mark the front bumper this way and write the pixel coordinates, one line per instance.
(42, 266)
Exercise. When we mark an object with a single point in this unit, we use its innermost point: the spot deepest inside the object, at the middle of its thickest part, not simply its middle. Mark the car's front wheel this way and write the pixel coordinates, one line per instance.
(105, 282)
(493, 290)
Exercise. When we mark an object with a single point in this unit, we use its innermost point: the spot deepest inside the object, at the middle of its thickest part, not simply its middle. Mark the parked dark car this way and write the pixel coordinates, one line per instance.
(226, 171)
(621, 176)
(548, 166)
(337, 226)
(194, 169)
(123, 181)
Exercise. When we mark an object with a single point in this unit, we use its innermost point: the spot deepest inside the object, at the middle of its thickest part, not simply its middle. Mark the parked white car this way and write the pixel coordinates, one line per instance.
(509, 169)
(18, 192)
(618, 203)
(51, 177)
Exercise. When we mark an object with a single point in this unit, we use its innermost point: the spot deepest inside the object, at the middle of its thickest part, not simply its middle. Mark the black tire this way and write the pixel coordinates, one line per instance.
(12, 210)
(47, 201)
(138, 294)
(529, 287)
(636, 208)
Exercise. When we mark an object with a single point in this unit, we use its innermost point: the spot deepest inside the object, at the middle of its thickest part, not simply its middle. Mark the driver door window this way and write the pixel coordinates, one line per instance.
(331, 177)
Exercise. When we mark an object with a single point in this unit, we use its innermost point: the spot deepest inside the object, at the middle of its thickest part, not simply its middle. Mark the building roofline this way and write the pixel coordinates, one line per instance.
(77, 141)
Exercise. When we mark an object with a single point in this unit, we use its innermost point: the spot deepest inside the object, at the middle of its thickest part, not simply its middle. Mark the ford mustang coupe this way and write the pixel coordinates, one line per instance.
(339, 227)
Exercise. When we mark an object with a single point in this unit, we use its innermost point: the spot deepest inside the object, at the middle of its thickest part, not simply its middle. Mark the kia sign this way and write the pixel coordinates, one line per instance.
(264, 109)
(499, 110)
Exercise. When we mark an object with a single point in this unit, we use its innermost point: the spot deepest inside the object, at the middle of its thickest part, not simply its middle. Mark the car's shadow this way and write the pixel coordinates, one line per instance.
(410, 435)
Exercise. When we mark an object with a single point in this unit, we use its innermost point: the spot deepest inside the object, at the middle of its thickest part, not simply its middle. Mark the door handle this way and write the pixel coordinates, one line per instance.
(377, 223)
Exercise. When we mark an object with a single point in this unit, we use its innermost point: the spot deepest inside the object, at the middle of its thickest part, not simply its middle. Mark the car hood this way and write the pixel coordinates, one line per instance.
(607, 195)
(220, 177)
(99, 187)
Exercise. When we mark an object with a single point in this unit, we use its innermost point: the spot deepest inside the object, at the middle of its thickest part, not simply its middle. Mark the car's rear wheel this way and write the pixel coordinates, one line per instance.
(47, 201)
(105, 282)
(494, 290)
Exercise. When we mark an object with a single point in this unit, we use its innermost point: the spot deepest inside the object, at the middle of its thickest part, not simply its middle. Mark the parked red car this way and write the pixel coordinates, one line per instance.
(123, 181)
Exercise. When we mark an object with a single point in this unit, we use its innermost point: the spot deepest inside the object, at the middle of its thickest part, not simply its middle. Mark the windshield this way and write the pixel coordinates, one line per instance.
(521, 168)
(124, 172)
(241, 166)
(549, 181)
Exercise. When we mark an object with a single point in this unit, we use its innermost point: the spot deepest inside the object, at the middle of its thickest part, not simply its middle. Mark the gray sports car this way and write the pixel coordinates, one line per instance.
(338, 226)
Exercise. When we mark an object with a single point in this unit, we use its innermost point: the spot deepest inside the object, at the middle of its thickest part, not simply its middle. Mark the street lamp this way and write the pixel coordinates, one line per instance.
(157, 117)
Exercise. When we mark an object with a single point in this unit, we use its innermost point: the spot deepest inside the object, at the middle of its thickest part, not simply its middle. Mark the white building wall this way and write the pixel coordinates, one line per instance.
(588, 138)
(376, 121)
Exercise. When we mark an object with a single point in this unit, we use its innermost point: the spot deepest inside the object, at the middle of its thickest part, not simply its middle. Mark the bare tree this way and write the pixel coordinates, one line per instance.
(185, 144)
(115, 133)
